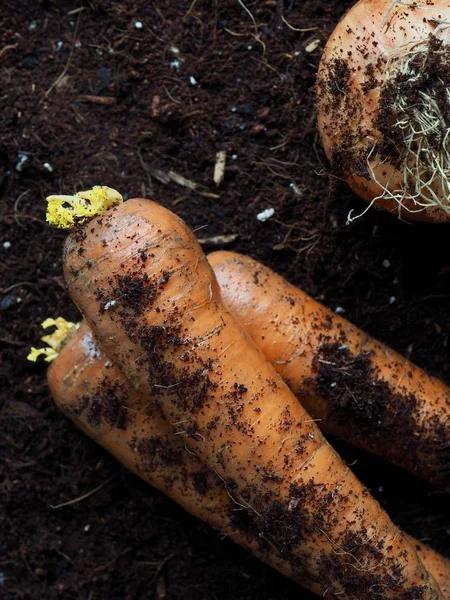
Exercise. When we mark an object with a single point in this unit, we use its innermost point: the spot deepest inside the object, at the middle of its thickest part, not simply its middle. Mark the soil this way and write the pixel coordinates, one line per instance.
(128, 94)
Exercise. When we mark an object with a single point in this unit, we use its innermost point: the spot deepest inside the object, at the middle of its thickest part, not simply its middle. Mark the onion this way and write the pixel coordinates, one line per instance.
(383, 105)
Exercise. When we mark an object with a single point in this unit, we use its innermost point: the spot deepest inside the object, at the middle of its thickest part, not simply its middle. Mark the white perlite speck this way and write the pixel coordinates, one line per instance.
(265, 214)
(109, 305)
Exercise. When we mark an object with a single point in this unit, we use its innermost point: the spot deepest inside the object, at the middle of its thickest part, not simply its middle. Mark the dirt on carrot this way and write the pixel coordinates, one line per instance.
(256, 103)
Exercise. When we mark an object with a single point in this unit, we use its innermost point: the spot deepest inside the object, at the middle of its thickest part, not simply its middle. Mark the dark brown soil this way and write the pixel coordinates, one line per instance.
(103, 102)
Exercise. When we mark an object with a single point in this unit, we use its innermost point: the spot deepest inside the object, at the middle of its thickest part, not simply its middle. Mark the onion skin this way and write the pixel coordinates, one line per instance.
(348, 104)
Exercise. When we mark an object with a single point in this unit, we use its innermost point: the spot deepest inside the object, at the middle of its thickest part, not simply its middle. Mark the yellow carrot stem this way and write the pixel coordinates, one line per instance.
(65, 212)
(54, 340)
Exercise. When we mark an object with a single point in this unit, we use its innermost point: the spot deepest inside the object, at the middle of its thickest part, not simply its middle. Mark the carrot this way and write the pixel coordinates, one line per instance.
(92, 392)
(97, 397)
(146, 290)
(356, 387)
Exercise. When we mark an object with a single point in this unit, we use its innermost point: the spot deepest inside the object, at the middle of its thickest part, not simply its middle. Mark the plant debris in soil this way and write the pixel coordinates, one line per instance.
(143, 97)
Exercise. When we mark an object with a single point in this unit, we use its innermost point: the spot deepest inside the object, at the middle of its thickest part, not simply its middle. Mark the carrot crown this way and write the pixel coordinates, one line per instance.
(55, 340)
(66, 211)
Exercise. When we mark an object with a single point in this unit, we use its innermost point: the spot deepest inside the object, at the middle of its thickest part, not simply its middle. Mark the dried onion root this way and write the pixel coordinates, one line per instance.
(384, 105)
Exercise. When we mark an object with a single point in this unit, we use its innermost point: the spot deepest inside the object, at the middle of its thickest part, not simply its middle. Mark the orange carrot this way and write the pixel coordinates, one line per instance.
(145, 288)
(92, 392)
(97, 397)
(356, 387)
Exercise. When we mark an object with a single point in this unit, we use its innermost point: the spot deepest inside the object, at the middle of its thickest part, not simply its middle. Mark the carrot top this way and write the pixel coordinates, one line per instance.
(67, 211)
(54, 340)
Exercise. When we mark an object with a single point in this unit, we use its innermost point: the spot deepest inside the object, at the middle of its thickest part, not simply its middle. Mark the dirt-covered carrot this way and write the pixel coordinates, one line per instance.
(145, 288)
(356, 387)
(92, 391)
(96, 396)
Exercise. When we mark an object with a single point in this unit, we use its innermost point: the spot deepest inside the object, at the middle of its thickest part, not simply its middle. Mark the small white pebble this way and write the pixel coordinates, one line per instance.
(312, 46)
(233, 109)
(386, 263)
(32, 25)
(334, 384)
(296, 53)
(249, 47)
(87, 527)
(48, 166)
(174, 50)
(339, 310)
(265, 214)
(22, 159)
(192, 80)
(59, 45)
(234, 156)
(99, 51)
(138, 25)
(294, 187)
(343, 347)
(175, 64)
(109, 304)
(78, 44)
(6, 245)
(392, 299)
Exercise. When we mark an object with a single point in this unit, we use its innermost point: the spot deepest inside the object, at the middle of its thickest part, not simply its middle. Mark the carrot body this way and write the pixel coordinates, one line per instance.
(96, 396)
(145, 288)
(92, 391)
(356, 387)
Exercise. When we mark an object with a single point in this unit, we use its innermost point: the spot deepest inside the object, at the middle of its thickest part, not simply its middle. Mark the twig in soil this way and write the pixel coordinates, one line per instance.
(84, 496)
(190, 9)
(69, 60)
(108, 100)
(302, 30)
(244, 35)
(256, 34)
(14, 285)
(6, 48)
(219, 240)
(16, 206)
(219, 167)
(184, 182)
